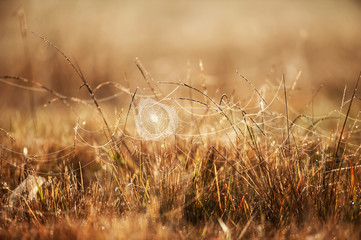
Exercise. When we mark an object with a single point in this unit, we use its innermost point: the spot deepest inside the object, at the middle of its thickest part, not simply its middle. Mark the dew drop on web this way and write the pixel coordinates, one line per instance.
(155, 120)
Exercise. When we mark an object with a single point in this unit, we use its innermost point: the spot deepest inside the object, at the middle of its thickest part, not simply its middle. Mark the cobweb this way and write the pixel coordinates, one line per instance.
(155, 120)
(190, 114)
(197, 119)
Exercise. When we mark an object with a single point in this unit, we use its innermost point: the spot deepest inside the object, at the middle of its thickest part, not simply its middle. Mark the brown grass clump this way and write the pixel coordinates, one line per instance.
(250, 175)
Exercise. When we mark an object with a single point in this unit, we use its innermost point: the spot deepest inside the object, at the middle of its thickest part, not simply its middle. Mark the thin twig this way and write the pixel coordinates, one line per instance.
(7, 134)
(62, 53)
(147, 77)
(58, 95)
(251, 84)
(347, 114)
(223, 96)
(130, 106)
(288, 125)
(115, 84)
(85, 83)
(193, 100)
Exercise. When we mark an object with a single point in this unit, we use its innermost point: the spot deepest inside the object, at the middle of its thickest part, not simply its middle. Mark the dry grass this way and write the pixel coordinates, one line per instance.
(275, 160)
(269, 180)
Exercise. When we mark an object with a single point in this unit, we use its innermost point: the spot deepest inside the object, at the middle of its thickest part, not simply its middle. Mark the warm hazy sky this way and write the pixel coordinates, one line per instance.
(260, 39)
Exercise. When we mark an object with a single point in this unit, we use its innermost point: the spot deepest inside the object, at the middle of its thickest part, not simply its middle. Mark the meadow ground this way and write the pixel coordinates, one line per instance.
(180, 120)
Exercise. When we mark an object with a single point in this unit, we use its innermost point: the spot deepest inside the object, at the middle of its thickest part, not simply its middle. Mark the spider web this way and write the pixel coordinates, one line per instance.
(201, 119)
(198, 119)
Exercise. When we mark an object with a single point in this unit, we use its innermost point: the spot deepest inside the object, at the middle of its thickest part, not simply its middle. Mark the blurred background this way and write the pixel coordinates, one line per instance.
(318, 42)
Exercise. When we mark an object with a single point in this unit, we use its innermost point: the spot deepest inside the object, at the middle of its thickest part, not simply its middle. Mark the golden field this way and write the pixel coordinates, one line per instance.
(252, 128)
